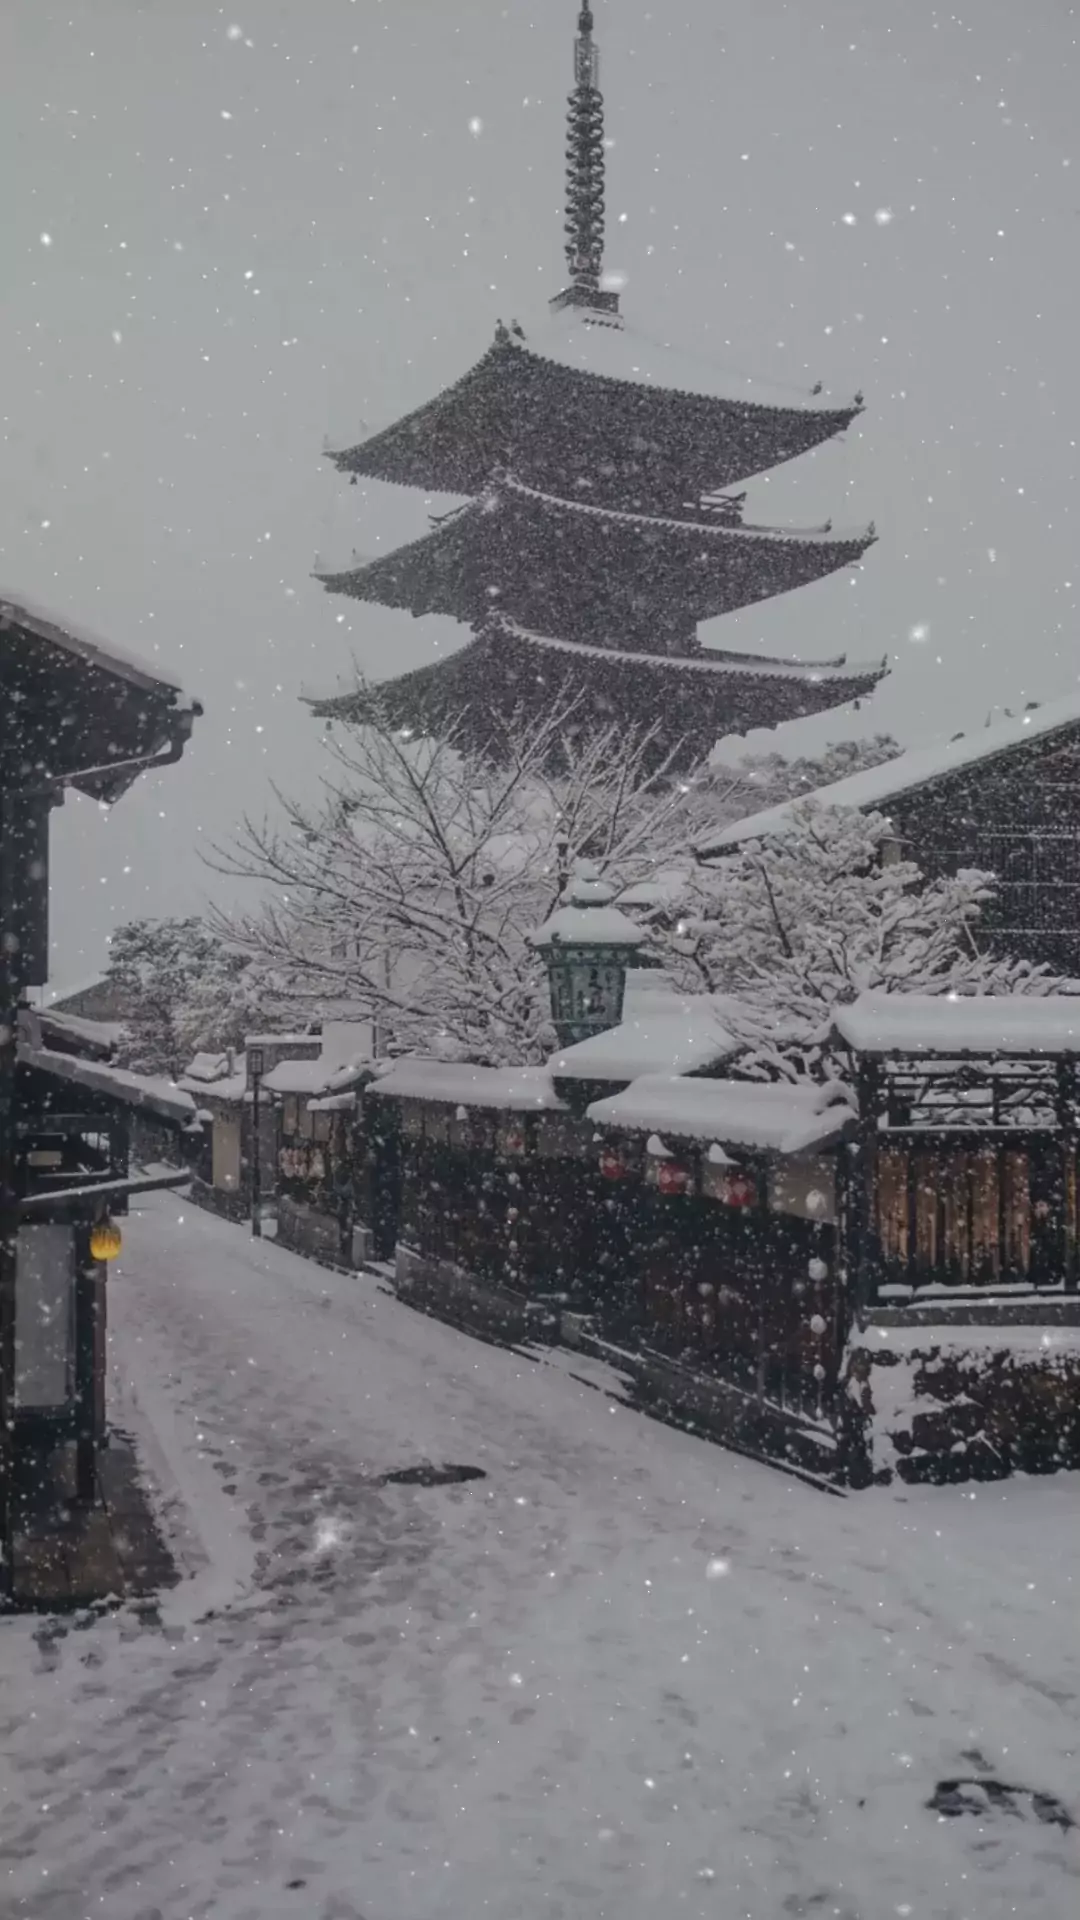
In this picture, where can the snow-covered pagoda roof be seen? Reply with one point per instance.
(769, 1118)
(578, 396)
(918, 767)
(84, 709)
(635, 575)
(985, 1024)
(696, 699)
(616, 526)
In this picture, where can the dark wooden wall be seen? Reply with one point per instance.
(1019, 816)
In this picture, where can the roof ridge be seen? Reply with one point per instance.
(837, 536)
(709, 660)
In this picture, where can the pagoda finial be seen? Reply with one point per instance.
(585, 177)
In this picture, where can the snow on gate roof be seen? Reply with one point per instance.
(769, 1117)
(978, 1023)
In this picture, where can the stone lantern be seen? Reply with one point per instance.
(587, 946)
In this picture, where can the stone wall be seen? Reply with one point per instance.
(953, 1402)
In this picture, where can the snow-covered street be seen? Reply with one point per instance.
(624, 1674)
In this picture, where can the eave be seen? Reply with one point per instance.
(642, 577)
(565, 426)
(78, 712)
(504, 673)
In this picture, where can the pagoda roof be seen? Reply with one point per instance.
(588, 398)
(580, 571)
(692, 702)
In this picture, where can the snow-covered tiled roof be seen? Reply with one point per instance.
(98, 1038)
(770, 1118)
(980, 1023)
(152, 1095)
(684, 1036)
(518, 1089)
(612, 350)
(61, 631)
(918, 767)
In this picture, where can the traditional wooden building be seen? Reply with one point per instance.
(961, 1235)
(325, 1206)
(861, 1283)
(1005, 798)
(599, 529)
(75, 713)
(499, 1208)
(235, 1173)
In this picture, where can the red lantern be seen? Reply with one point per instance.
(612, 1164)
(741, 1191)
(514, 1141)
(671, 1177)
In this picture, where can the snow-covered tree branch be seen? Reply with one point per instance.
(184, 990)
(735, 784)
(797, 922)
(409, 891)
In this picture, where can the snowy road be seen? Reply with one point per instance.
(626, 1674)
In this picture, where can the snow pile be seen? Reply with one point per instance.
(16, 610)
(221, 1075)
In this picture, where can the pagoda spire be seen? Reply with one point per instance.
(584, 224)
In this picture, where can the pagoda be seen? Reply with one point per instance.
(599, 525)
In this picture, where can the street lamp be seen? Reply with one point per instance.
(587, 946)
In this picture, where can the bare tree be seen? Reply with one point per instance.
(410, 890)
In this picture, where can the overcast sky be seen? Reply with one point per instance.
(228, 232)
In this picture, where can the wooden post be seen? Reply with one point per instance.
(86, 1437)
(1067, 1114)
(255, 1073)
(9, 1218)
(861, 1187)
